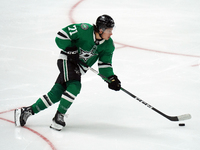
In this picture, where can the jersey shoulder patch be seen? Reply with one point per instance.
(84, 26)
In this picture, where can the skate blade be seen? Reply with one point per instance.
(56, 126)
(17, 114)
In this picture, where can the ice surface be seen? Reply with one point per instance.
(157, 58)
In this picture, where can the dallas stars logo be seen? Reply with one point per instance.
(85, 55)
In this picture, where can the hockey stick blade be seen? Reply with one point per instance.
(177, 118)
(184, 117)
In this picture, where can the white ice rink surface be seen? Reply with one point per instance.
(157, 58)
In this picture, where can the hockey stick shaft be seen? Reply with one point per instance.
(171, 118)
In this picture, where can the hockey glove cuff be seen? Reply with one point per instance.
(72, 54)
(114, 83)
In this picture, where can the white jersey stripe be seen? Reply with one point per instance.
(65, 37)
(67, 98)
(105, 66)
(44, 101)
(61, 37)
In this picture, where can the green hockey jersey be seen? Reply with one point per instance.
(90, 50)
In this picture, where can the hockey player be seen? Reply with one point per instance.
(78, 42)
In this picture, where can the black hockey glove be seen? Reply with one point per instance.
(114, 83)
(72, 54)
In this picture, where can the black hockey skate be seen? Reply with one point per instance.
(21, 115)
(58, 121)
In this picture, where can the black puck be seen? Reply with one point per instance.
(181, 124)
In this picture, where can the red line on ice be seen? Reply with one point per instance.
(33, 131)
(72, 9)
(196, 65)
(125, 45)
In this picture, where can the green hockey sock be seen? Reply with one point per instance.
(52, 97)
(73, 89)
(64, 105)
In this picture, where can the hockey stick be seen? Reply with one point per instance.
(171, 118)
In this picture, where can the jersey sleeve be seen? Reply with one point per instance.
(105, 61)
(67, 37)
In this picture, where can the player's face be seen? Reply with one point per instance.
(107, 33)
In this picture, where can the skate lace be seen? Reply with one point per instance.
(27, 113)
(60, 118)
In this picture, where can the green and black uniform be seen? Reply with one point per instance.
(68, 83)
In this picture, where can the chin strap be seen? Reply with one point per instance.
(101, 33)
(101, 36)
(98, 40)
